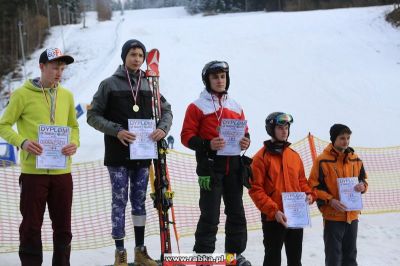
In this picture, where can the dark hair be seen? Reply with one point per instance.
(338, 129)
(345, 131)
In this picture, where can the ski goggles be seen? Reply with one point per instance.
(218, 65)
(283, 119)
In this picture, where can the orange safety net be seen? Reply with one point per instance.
(91, 212)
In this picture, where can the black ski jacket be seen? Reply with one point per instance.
(112, 107)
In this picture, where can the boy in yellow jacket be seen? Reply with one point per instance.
(43, 101)
(338, 160)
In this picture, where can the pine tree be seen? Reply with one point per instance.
(194, 7)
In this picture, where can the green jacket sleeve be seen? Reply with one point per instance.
(11, 114)
(73, 123)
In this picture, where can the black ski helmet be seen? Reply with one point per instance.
(215, 67)
(276, 118)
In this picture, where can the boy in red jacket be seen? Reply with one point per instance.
(218, 175)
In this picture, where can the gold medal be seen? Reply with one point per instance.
(135, 92)
(218, 128)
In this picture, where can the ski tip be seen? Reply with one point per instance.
(152, 60)
(153, 56)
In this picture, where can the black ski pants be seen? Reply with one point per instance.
(275, 235)
(230, 187)
(340, 243)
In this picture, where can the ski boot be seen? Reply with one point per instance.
(242, 261)
(121, 257)
(142, 258)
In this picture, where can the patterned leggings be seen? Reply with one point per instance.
(120, 177)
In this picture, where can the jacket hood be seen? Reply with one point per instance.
(33, 84)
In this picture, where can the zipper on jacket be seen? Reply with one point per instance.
(336, 171)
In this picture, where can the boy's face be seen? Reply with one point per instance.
(342, 142)
(281, 132)
(217, 81)
(134, 59)
(52, 72)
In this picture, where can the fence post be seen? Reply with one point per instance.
(311, 142)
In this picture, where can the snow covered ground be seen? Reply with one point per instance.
(378, 244)
(322, 67)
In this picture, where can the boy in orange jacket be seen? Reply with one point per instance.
(276, 169)
(338, 160)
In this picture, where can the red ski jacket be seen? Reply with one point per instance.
(202, 118)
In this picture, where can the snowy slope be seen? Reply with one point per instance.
(322, 66)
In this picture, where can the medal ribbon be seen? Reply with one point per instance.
(222, 108)
(53, 102)
(136, 91)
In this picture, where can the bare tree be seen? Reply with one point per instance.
(103, 10)
(36, 17)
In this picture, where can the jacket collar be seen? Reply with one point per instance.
(330, 149)
(209, 96)
(34, 85)
(121, 73)
(275, 148)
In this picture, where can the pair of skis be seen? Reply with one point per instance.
(161, 189)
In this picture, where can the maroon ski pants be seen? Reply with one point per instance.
(36, 191)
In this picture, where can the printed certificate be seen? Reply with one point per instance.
(296, 209)
(232, 131)
(143, 147)
(348, 196)
(52, 139)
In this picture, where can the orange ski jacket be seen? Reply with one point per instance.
(273, 173)
(329, 166)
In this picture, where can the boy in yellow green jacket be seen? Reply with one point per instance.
(43, 101)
